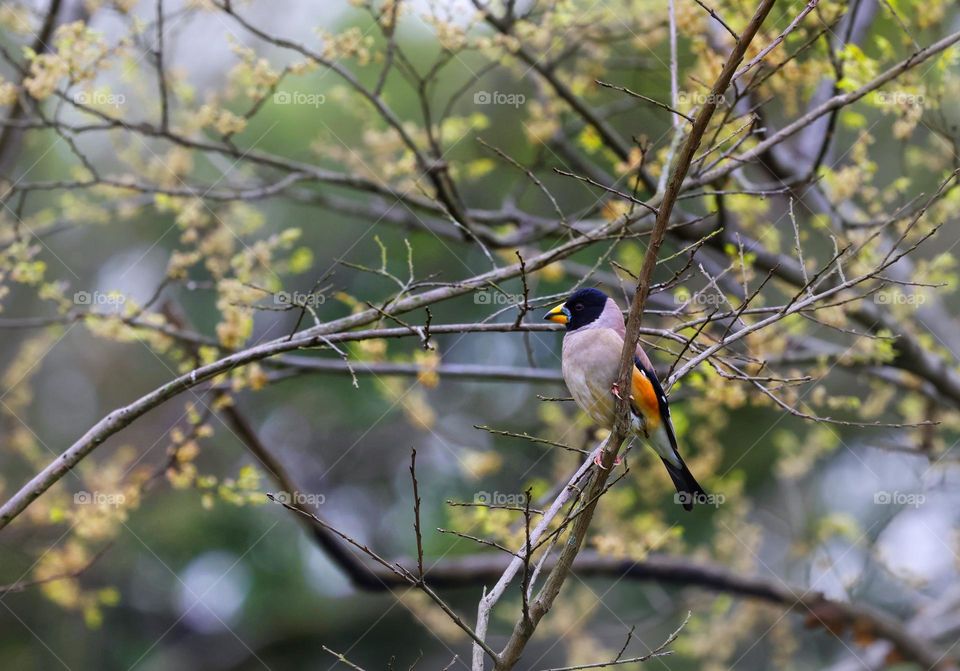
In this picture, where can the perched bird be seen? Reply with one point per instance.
(591, 360)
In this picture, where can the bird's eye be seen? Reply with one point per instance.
(578, 306)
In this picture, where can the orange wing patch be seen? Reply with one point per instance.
(645, 398)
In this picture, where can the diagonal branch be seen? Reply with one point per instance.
(525, 627)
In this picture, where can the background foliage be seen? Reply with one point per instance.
(185, 180)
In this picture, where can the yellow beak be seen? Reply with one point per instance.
(559, 315)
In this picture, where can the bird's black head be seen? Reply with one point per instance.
(582, 308)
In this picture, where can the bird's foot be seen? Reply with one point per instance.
(615, 390)
(598, 460)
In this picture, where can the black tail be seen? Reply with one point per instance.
(689, 490)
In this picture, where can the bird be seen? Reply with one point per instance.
(592, 347)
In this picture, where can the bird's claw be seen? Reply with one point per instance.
(598, 460)
(615, 389)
